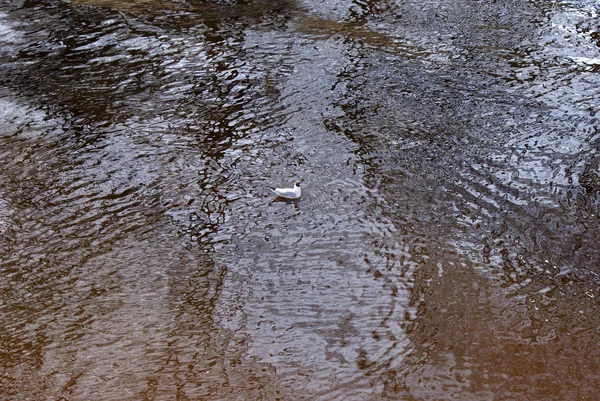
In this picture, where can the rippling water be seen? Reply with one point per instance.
(446, 245)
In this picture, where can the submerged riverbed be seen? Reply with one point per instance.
(446, 246)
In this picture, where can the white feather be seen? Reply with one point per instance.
(289, 193)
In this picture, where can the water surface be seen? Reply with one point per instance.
(446, 246)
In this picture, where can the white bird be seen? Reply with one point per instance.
(289, 193)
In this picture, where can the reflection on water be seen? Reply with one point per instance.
(445, 247)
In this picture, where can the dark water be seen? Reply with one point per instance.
(446, 247)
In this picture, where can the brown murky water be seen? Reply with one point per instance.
(446, 246)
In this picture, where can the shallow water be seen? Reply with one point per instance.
(446, 245)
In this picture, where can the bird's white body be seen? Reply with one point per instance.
(289, 193)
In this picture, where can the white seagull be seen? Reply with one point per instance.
(289, 193)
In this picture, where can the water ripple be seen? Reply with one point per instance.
(445, 243)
